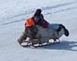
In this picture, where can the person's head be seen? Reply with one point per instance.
(38, 11)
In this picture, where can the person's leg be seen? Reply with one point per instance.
(22, 37)
(34, 31)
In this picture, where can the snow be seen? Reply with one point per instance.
(12, 16)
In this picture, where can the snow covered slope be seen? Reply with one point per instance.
(12, 15)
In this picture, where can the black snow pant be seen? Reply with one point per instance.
(30, 32)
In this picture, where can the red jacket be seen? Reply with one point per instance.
(29, 22)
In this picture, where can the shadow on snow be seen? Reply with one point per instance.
(64, 45)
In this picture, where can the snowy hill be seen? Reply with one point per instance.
(12, 15)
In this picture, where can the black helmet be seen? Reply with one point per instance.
(38, 11)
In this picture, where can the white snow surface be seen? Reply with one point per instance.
(12, 16)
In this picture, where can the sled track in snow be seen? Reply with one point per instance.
(59, 5)
(43, 8)
(62, 10)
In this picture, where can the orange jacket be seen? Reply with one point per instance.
(29, 22)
